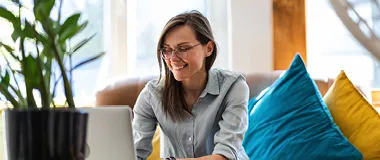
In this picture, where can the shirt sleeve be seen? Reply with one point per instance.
(144, 124)
(234, 123)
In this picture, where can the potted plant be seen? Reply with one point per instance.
(36, 128)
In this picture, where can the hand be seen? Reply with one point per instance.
(211, 157)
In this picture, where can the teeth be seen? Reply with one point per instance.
(179, 67)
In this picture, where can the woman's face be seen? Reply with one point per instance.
(182, 38)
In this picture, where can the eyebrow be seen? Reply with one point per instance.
(177, 44)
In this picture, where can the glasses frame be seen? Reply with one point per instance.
(176, 52)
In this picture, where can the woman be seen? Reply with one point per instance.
(202, 112)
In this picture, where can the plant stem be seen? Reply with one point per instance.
(54, 105)
(18, 92)
(66, 83)
(19, 95)
(29, 89)
(71, 65)
(55, 84)
(43, 90)
(9, 96)
(14, 56)
(59, 11)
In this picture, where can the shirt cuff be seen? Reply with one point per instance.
(225, 151)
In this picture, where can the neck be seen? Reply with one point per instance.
(195, 84)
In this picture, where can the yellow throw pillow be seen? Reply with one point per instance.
(355, 116)
(156, 145)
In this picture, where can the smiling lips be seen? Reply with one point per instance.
(179, 67)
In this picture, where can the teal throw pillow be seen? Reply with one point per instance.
(289, 120)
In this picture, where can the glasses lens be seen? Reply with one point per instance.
(165, 54)
(182, 53)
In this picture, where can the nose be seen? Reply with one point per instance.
(174, 57)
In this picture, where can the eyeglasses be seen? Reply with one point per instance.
(180, 52)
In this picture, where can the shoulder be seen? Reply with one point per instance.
(150, 94)
(153, 87)
(226, 76)
(232, 84)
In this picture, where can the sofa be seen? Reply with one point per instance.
(125, 92)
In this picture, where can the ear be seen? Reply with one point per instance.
(209, 48)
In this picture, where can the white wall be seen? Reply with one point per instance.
(218, 17)
(251, 35)
(249, 46)
(115, 30)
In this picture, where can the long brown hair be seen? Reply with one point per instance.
(173, 99)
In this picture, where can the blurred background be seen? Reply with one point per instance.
(252, 36)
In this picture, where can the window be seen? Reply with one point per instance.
(128, 32)
(85, 78)
(146, 19)
(332, 48)
(83, 83)
(147, 29)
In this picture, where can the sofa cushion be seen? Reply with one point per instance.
(290, 121)
(355, 116)
(155, 155)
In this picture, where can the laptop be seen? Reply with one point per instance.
(109, 133)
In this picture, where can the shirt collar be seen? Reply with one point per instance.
(212, 86)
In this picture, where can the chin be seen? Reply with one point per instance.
(181, 75)
(179, 78)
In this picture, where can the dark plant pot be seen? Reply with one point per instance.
(45, 134)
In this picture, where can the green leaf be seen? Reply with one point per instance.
(31, 73)
(29, 30)
(47, 52)
(17, 71)
(70, 23)
(6, 80)
(4, 84)
(62, 47)
(7, 47)
(72, 31)
(17, 32)
(15, 35)
(42, 9)
(82, 43)
(8, 15)
(16, 1)
(88, 60)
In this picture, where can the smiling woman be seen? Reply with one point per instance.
(202, 112)
(186, 32)
(181, 63)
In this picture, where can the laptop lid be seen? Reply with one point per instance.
(109, 133)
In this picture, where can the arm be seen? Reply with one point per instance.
(211, 157)
(144, 124)
(234, 123)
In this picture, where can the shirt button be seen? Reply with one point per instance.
(190, 138)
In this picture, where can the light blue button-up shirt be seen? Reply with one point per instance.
(216, 125)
